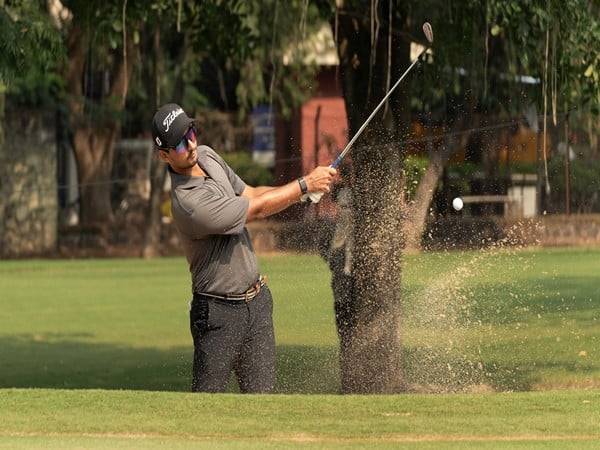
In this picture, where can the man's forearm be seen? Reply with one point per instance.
(260, 190)
(253, 192)
(273, 200)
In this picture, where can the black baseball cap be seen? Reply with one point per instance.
(169, 125)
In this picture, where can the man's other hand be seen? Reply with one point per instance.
(320, 179)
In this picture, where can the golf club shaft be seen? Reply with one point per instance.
(341, 156)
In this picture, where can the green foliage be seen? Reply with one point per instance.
(263, 75)
(29, 45)
(517, 167)
(481, 47)
(252, 90)
(241, 40)
(523, 167)
(252, 173)
(28, 39)
(223, 55)
(36, 88)
(102, 23)
(463, 169)
(573, 28)
(459, 176)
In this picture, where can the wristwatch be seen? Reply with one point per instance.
(303, 186)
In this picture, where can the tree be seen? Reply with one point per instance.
(555, 41)
(198, 32)
(28, 42)
(371, 360)
(492, 45)
(458, 28)
(100, 39)
(163, 20)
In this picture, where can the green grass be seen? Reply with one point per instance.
(531, 319)
(473, 321)
(548, 420)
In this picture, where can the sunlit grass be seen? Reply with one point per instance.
(510, 320)
(475, 322)
(118, 419)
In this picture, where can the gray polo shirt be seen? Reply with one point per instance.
(210, 214)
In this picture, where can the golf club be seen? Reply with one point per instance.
(315, 197)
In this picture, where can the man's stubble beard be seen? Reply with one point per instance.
(193, 162)
(184, 167)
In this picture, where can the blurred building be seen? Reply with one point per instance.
(319, 127)
(318, 130)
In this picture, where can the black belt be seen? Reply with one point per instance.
(245, 297)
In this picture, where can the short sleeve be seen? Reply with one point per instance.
(202, 213)
(236, 182)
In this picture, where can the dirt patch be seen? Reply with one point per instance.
(315, 438)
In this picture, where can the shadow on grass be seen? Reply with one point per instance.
(70, 361)
(67, 361)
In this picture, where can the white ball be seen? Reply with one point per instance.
(457, 203)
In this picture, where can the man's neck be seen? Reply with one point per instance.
(194, 171)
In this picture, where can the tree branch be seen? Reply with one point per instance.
(76, 44)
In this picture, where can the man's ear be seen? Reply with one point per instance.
(163, 156)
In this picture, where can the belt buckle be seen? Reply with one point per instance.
(252, 292)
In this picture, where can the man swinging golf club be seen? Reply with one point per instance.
(231, 310)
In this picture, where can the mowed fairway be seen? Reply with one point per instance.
(97, 336)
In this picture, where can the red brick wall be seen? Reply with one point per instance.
(324, 130)
(306, 140)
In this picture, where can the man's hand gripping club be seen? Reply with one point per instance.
(319, 180)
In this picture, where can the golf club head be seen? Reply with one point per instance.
(428, 31)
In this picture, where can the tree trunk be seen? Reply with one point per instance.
(567, 168)
(2, 150)
(371, 355)
(2, 108)
(150, 247)
(158, 169)
(158, 174)
(94, 153)
(94, 138)
(439, 154)
(416, 218)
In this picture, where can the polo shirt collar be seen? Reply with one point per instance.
(185, 181)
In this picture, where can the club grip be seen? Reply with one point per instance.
(337, 161)
(315, 197)
(312, 197)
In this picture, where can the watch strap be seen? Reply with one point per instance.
(303, 186)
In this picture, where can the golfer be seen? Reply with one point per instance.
(231, 310)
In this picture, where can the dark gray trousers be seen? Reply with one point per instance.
(234, 336)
